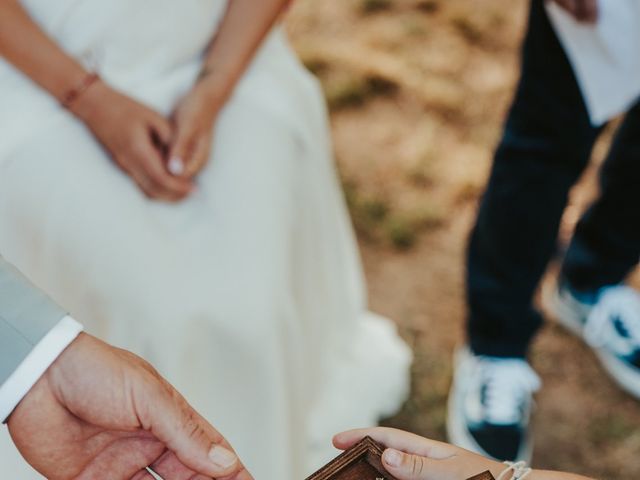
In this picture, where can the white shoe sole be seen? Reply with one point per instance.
(626, 377)
(459, 435)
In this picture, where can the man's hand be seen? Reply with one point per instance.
(104, 413)
(582, 10)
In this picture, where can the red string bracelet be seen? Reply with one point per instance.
(73, 94)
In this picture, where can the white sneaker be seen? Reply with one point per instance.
(490, 406)
(609, 322)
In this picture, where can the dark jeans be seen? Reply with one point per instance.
(546, 145)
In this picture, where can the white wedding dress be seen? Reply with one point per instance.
(248, 296)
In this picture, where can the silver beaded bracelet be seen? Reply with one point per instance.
(519, 471)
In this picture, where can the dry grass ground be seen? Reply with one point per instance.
(418, 90)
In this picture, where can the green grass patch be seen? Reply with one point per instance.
(375, 220)
(428, 6)
(351, 90)
(401, 232)
(374, 6)
(346, 93)
(468, 28)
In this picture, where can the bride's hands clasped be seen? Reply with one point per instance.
(135, 136)
(162, 156)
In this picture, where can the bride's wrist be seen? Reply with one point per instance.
(214, 86)
(496, 468)
(90, 101)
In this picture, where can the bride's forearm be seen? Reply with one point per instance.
(547, 475)
(243, 28)
(29, 49)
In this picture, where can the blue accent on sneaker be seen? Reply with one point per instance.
(618, 324)
(587, 298)
(609, 322)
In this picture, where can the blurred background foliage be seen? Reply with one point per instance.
(417, 91)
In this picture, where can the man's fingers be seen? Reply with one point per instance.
(124, 458)
(143, 475)
(194, 442)
(169, 466)
(241, 473)
(405, 466)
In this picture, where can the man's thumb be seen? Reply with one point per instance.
(190, 437)
(405, 466)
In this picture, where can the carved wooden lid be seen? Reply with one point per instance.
(363, 461)
(483, 476)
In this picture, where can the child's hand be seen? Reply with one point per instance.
(582, 10)
(410, 457)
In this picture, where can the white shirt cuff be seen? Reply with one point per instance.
(13, 390)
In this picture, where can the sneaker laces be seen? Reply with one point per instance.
(614, 322)
(508, 385)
